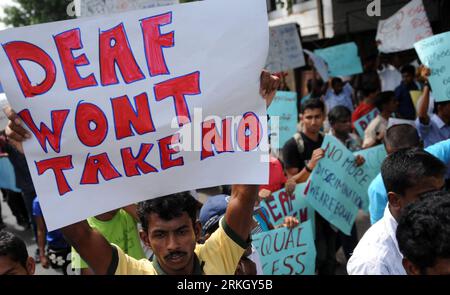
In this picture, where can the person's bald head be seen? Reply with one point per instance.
(402, 136)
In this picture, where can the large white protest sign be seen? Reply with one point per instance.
(407, 26)
(137, 105)
(285, 50)
(104, 7)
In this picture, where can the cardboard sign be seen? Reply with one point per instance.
(283, 118)
(336, 186)
(362, 123)
(374, 157)
(285, 50)
(434, 52)
(138, 105)
(372, 166)
(407, 26)
(415, 96)
(286, 251)
(280, 204)
(342, 60)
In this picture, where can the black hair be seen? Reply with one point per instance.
(335, 81)
(368, 90)
(383, 98)
(313, 103)
(402, 169)
(13, 247)
(408, 69)
(310, 84)
(168, 208)
(423, 231)
(402, 136)
(339, 113)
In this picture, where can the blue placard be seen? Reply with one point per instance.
(283, 118)
(374, 157)
(342, 60)
(336, 185)
(434, 52)
(279, 205)
(286, 251)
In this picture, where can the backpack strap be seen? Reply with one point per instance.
(300, 143)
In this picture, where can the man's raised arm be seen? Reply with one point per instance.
(91, 245)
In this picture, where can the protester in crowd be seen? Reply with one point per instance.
(300, 155)
(434, 128)
(210, 215)
(400, 137)
(56, 254)
(387, 104)
(407, 174)
(12, 198)
(24, 183)
(17, 207)
(118, 227)
(302, 152)
(341, 127)
(339, 94)
(369, 76)
(406, 109)
(315, 90)
(277, 177)
(14, 259)
(423, 235)
(367, 104)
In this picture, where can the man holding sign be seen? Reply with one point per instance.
(172, 216)
(98, 105)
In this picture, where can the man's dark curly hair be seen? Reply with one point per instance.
(423, 231)
(168, 208)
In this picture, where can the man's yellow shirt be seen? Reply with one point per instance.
(219, 255)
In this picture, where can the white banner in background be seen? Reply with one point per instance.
(407, 26)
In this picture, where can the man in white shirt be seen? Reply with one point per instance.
(406, 174)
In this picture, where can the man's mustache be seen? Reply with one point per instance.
(175, 253)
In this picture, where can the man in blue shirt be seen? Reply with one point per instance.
(434, 128)
(406, 108)
(400, 137)
(339, 94)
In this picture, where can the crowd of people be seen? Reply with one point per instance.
(409, 206)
